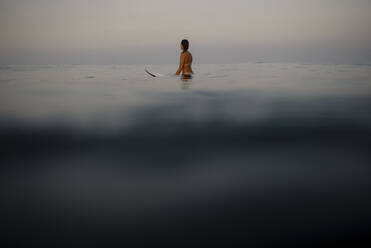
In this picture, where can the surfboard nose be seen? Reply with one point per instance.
(153, 75)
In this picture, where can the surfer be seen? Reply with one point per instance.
(185, 64)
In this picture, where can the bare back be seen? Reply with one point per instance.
(185, 64)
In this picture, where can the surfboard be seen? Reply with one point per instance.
(153, 74)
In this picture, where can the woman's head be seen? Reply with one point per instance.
(185, 45)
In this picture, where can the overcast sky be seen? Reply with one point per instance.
(149, 31)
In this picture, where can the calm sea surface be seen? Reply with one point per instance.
(264, 154)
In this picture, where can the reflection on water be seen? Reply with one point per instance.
(258, 154)
(186, 83)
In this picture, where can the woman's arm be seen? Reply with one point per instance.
(181, 64)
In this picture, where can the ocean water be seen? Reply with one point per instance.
(256, 154)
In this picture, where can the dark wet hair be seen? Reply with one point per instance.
(185, 44)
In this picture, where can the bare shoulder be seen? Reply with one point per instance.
(187, 54)
(190, 56)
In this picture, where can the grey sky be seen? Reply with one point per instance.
(104, 31)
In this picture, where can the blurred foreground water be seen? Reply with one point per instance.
(255, 154)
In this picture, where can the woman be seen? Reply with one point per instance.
(185, 64)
